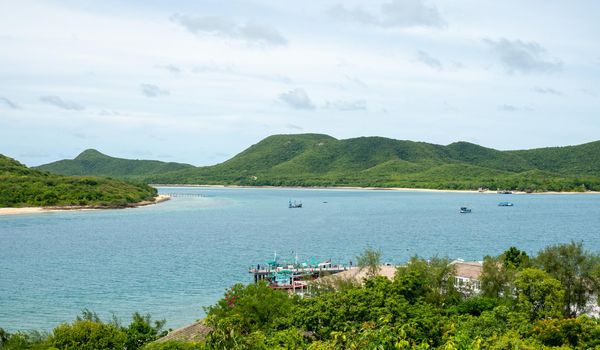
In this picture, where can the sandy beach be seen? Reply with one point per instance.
(406, 189)
(40, 210)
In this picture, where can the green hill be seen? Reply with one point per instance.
(321, 160)
(92, 162)
(21, 186)
(582, 159)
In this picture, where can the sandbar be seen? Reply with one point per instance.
(38, 210)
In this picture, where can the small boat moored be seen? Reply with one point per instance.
(505, 204)
(295, 204)
(465, 210)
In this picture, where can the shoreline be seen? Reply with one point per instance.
(39, 210)
(402, 189)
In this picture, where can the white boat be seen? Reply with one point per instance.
(295, 204)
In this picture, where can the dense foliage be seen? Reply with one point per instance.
(422, 309)
(92, 162)
(320, 160)
(21, 186)
(522, 306)
(88, 332)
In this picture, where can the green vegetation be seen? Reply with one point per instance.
(369, 260)
(21, 187)
(321, 160)
(92, 162)
(420, 309)
(88, 332)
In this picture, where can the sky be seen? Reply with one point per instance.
(199, 81)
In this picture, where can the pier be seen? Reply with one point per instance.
(187, 195)
(297, 272)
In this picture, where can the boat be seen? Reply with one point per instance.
(465, 210)
(295, 204)
(504, 192)
(505, 204)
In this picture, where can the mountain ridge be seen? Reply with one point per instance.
(374, 161)
(94, 162)
(22, 186)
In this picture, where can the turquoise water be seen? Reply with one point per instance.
(173, 258)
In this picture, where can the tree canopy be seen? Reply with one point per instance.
(419, 309)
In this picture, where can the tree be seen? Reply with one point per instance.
(370, 259)
(496, 280)
(576, 269)
(249, 308)
(431, 279)
(141, 331)
(538, 294)
(31, 340)
(514, 258)
(4, 335)
(88, 335)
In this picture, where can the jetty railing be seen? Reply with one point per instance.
(188, 195)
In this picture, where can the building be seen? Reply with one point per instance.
(468, 275)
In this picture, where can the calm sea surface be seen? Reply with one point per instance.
(173, 258)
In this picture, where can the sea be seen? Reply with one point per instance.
(175, 258)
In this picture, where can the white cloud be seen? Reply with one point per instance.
(546, 91)
(10, 104)
(171, 68)
(511, 108)
(395, 13)
(92, 57)
(523, 57)
(428, 60)
(297, 99)
(251, 32)
(347, 105)
(151, 90)
(60, 103)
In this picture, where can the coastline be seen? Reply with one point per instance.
(403, 189)
(39, 210)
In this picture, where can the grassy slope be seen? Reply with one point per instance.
(321, 160)
(92, 162)
(582, 159)
(21, 186)
(312, 159)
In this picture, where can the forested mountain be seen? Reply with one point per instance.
(321, 160)
(21, 186)
(92, 162)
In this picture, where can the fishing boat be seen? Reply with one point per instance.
(505, 204)
(295, 204)
(465, 210)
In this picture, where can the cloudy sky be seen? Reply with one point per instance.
(199, 81)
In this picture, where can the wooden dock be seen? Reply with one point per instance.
(188, 195)
(298, 272)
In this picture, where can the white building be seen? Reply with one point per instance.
(467, 276)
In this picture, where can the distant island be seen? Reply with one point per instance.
(321, 160)
(21, 187)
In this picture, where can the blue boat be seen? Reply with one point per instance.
(505, 204)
